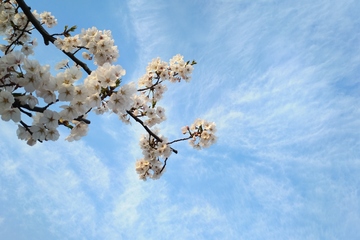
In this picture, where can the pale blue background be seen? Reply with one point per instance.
(281, 79)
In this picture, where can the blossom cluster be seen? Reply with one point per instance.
(39, 101)
(16, 28)
(48, 19)
(99, 45)
(156, 151)
(202, 133)
(152, 87)
(9, 17)
(153, 150)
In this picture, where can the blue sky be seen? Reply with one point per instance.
(280, 78)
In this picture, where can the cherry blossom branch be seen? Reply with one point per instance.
(100, 90)
(49, 38)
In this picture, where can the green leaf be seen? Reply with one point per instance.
(117, 82)
(73, 28)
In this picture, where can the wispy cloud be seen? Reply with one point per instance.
(61, 183)
(287, 90)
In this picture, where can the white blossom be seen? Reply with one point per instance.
(68, 113)
(50, 119)
(23, 133)
(38, 132)
(6, 100)
(47, 95)
(78, 131)
(52, 134)
(48, 19)
(61, 64)
(12, 113)
(66, 93)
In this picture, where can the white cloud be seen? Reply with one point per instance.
(54, 181)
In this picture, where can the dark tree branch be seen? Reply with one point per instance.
(18, 104)
(8, 85)
(148, 129)
(81, 119)
(47, 37)
(26, 127)
(25, 112)
(144, 126)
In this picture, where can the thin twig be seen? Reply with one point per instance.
(17, 39)
(151, 87)
(25, 112)
(81, 119)
(164, 165)
(178, 140)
